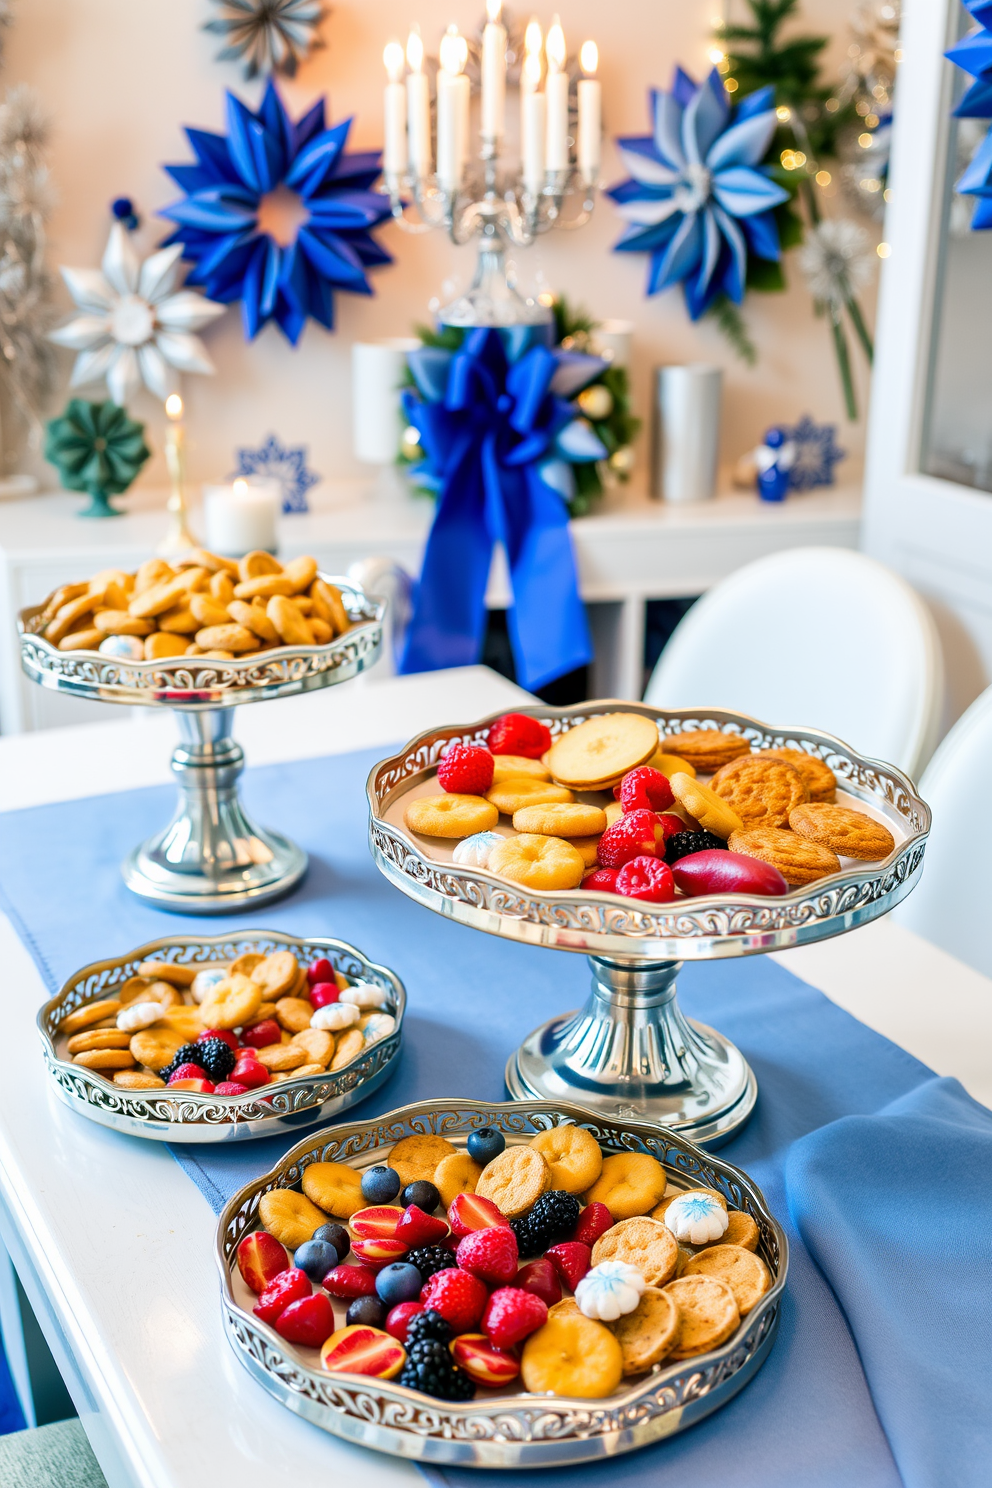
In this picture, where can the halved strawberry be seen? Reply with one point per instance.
(359, 1349)
(540, 1279)
(261, 1259)
(482, 1360)
(414, 1227)
(571, 1259)
(377, 1223)
(308, 1321)
(288, 1286)
(350, 1281)
(469, 1212)
(378, 1253)
(594, 1221)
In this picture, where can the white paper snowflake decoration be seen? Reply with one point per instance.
(134, 322)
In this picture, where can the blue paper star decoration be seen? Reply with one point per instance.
(266, 166)
(973, 55)
(817, 452)
(276, 462)
(697, 200)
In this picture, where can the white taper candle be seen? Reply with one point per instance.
(418, 97)
(493, 73)
(557, 104)
(590, 97)
(394, 154)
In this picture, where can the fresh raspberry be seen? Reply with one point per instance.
(230, 1087)
(594, 1221)
(323, 993)
(289, 1286)
(490, 1254)
(515, 733)
(457, 1296)
(320, 971)
(511, 1314)
(260, 1035)
(671, 824)
(646, 878)
(645, 790)
(224, 1034)
(601, 880)
(468, 770)
(571, 1259)
(187, 1072)
(636, 834)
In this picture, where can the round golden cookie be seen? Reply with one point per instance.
(316, 1043)
(294, 1013)
(417, 1157)
(156, 1047)
(137, 1080)
(821, 782)
(135, 989)
(761, 791)
(587, 848)
(98, 1038)
(649, 1333)
(290, 1216)
(169, 971)
(164, 993)
(183, 1020)
(567, 1307)
(245, 965)
(849, 833)
(457, 1173)
(515, 765)
(539, 863)
(450, 815)
(333, 1187)
(613, 811)
(741, 1230)
(276, 974)
(573, 1156)
(709, 809)
(572, 1355)
(661, 1209)
(104, 1059)
(709, 1313)
(518, 791)
(514, 1181)
(685, 1256)
(602, 748)
(643, 1243)
(561, 819)
(671, 764)
(233, 1003)
(745, 1273)
(798, 860)
(93, 1012)
(708, 749)
(630, 1184)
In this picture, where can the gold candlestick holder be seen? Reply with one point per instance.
(178, 539)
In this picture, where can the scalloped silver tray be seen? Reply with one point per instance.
(500, 1430)
(278, 1109)
(602, 924)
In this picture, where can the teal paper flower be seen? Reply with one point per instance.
(96, 447)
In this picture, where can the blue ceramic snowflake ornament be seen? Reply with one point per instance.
(973, 54)
(287, 466)
(697, 200)
(267, 168)
(817, 452)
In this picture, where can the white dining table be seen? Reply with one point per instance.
(114, 1244)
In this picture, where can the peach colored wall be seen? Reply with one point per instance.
(119, 78)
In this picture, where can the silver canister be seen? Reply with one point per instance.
(686, 432)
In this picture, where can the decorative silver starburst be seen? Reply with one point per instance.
(267, 36)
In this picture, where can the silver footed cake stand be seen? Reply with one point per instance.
(212, 858)
(631, 1051)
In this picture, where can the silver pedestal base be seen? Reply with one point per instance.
(211, 858)
(631, 1052)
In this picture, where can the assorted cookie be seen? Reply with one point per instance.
(226, 1029)
(615, 807)
(544, 1265)
(197, 605)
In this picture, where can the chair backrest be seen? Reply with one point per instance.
(818, 636)
(951, 901)
(389, 580)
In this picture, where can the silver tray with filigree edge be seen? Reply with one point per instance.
(500, 1429)
(178, 682)
(272, 1110)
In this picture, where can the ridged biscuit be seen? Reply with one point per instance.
(798, 860)
(709, 1313)
(745, 1273)
(707, 749)
(643, 1243)
(650, 1332)
(852, 834)
(514, 1181)
(417, 1157)
(761, 791)
(821, 782)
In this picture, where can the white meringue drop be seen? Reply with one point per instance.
(335, 1016)
(379, 1026)
(473, 852)
(364, 995)
(139, 1015)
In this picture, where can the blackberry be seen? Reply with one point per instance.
(429, 1324)
(552, 1218)
(682, 844)
(188, 1054)
(429, 1367)
(430, 1259)
(216, 1057)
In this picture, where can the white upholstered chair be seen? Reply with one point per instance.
(818, 636)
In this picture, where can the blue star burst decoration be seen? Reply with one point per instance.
(697, 200)
(973, 55)
(817, 452)
(287, 466)
(234, 258)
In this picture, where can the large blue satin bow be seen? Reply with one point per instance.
(500, 435)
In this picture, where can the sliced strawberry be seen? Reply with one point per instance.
(414, 1227)
(308, 1321)
(288, 1286)
(376, 1223)
(261, 1259)
(594, 1221)
(350, 1281)
(378, 1252)
(482, 1360)
(471, 1212)
(359, 1349)
(540, 1279)
(571, 1259)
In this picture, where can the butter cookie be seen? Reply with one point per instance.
(417, 1157)
(707, 749)
(710, 810)
(514, 1181)
(601, 749)
(709, 1313)
(451, 815)
(572, 1355)
(543, 864)
(334, 1187)
(457, 1173)
(643, 1243)
(821, 782)
(649, 1333)
(851, 834)
(798, 860)
(290, 1216)
(629, 1184)
(573, 1156)
(745, 1274)
(761, 791)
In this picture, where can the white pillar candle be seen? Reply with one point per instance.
(418, 97)
(394, 155)
(241, 517)
(377, 372)
(612, 339)
(535, 122)
(493, 73)
(556, 158)
(590, 115)
(452, 111)
(687, 434)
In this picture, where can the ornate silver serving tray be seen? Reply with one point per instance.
(630, 1051)
(502, 1429)
(278, 1108)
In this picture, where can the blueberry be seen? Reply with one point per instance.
(423, 1194)
(367, 1310)
(399, 1282)
(380, 1185)
(485, 1144)
(316, 1258)
(335, 1235)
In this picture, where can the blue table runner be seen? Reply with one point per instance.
(808, 1419)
